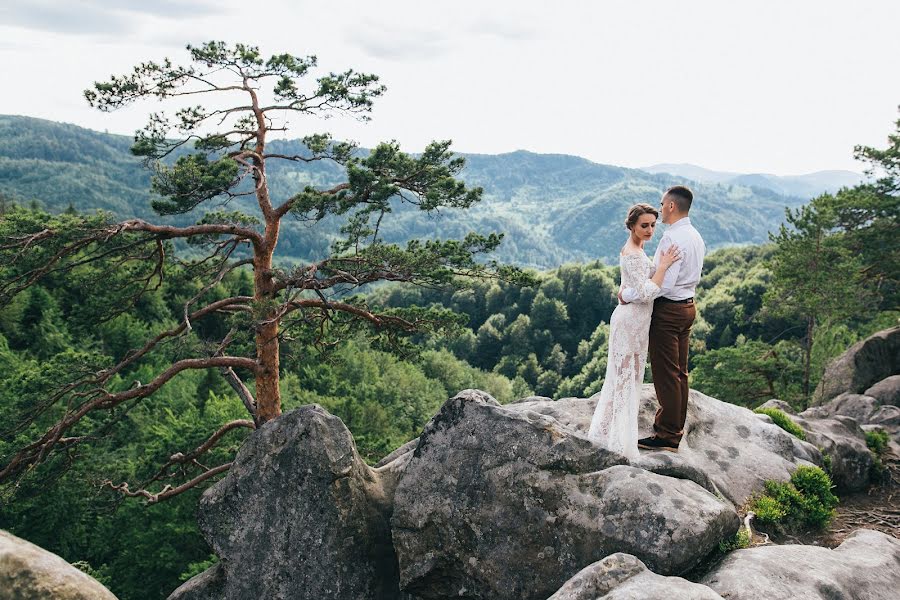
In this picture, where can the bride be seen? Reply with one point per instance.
(614, 425)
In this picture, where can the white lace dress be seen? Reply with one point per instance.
(615, 422)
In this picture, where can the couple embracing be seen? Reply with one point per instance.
(655, 311)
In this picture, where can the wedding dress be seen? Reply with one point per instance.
(614, 424)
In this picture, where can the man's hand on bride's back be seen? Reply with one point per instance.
(671, 255)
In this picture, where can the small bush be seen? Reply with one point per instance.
(805, 501)
(783, 421)
(739, 540)
(826, 462)
(768, 510)
(877, 440)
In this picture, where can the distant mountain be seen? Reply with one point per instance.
(553, 208)
(805, 186)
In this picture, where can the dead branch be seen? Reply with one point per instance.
(168, 491)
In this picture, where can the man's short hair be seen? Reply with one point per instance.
(682, 196)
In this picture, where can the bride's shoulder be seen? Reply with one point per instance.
(632, 255)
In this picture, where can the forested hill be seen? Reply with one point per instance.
(552, 208)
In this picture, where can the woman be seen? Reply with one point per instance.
(614, 425)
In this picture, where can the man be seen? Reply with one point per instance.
(673, 316)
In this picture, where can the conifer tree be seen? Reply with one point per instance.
(210, 162)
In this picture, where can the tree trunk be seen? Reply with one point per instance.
(268, 394)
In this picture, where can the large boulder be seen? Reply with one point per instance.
(623, 577)
(886, 391)
(726, 448)
(504, 502)
(865, 566)
(299, 515)
(28, 572)
(861, 366)
(843, 440)
(858, 406)
(869, 409)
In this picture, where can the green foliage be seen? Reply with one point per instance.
(768, 509)
(195, 568)
(749, 372)
(783, 421)
(553, 209)
(101, 575)
(877, 440)
(805, 501)
(738, 541)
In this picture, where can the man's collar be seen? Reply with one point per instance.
(680, 222)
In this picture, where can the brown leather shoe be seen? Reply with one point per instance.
(657, 443)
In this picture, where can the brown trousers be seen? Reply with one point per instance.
(670, 332)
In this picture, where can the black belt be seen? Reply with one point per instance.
(670, 301)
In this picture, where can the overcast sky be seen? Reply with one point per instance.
(776, 86)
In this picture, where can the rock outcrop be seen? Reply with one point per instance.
(726, 448)
(861, 366)
(866, 565)
(623, 577)
(887, 391)
(28, 572)
(504, 502)
(299, 515)
(838, 436)
(499, 502)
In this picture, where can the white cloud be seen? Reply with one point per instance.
(764, 86)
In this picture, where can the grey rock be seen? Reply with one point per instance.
(865, 567)
(842, 439)
(407, 447)
(726, 448)
(779, 405)
(624, 577)
(532, 399)
(857, 406)
(887, 417)
(300, 515)
(28, 572)
(504, 502)
(861, 366)
(886, 391)
(208, 585)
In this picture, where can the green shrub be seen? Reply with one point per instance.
(739, 540)
(826, 462)
(877, 440)
(805, 501)
(783, 421)
(768, 510)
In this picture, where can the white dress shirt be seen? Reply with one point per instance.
(683, 276)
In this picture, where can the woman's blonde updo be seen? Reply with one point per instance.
(635, 212)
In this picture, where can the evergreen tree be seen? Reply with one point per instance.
(202, 157)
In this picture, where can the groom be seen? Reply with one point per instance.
(673, 315)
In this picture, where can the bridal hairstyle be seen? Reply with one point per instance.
(635, 212)
(682, 197)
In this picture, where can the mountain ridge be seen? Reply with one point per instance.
(807, 185)
(553, 208)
